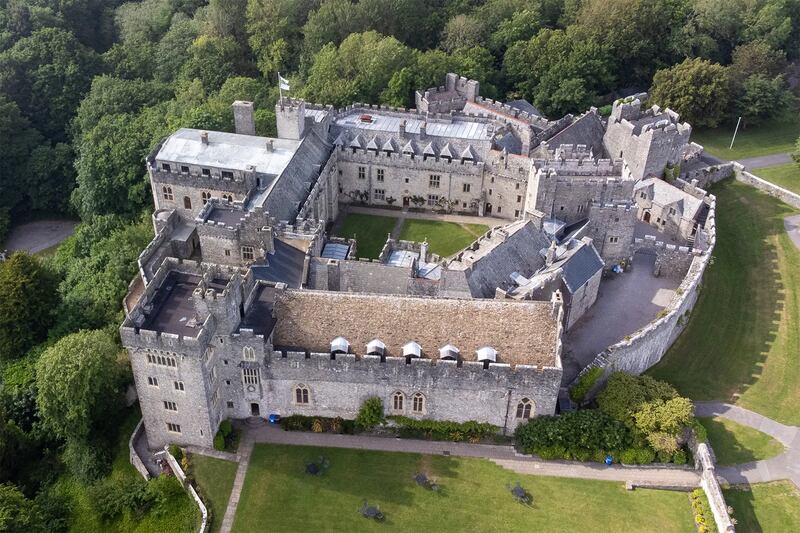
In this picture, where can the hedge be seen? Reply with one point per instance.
(579, 391)
(470, 431)
(318, 424)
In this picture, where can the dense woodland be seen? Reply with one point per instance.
(87, 87)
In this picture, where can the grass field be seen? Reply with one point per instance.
(279, 496)
(183, 515)
(772, 137)
(444, 238)
(743, 340)
(767, 507)
(786, 176)
(215, 479)
(734, 443)
(370, 231)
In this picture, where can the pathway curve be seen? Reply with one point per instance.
(245, 450)
(783, 466)
(792, 226)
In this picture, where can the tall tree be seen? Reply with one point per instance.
(696, 88)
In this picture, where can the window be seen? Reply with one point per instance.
(162, 360)
(227, 175)
(165, 167)
(490, 192)
(435, 181)
(152, 381)
(250, 376)
(491, 180)
(249, 353)
(184, 169)
(519, 199)
(562, 208)
(301, 394)
(580, 208)
(524, 409)
(671, 210)
(187, 202)
(499, 209)
(170, 406)
(178, 385)
(175, 428)
(227, 382)
(406, 180)
(418, 403)
(467, 187)
(248, 253)
(227, 253)
(228, 197)
(380, 194)
(642, 195)
(516, 213)
(379, 175)
(613, 239)
(397, 401)
(230, 405)
(167, 193)
(362, 173)
(516, 186)
(432, 199)
(206, 172)
(205, 196)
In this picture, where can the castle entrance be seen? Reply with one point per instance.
(488, 209)
(406, 201)
(255, 410)
(646, 216)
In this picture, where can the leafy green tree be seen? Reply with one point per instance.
(212, 60)
(275, 32)
(462, 31)
(662, 421)
(12, 449)
(522, 25)
(370, 414)
(762, 98)
(79, 384)
(18, 513)
(696, 88)
(332, 22)
(757, 57)
(18, 139)
(624, 394)
(27, 300)
(50, 178)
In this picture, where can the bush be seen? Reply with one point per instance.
(579, 391)
(584, 434)
(306, 423)
(86, 461)
(111, 497)
(225, 427)
(161, 492)
(227, 438)
(624, 394)
(470, 431)
(219, 442)
(637, 456)
(370, 414)
(176, 452)
(680, 457)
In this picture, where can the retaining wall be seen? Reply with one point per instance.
(785, 195)
(136, 461)
(179, 473)
(708, 481)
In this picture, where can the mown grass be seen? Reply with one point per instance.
(786, 176)
(734, 443)
(773, 137)
(278, 495)
(369, 230)
(214, 478)
(742, 342)
(765, 507)
(444, 238)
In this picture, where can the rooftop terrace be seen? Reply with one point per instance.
(172, 306)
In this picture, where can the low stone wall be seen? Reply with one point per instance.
(136, 461)
(181, 475)
(785, 195)
(709, 175)
(708, 481)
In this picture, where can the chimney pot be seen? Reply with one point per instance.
(204, 137)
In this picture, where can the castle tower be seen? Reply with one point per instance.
(291, 118)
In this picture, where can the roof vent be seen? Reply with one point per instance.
(339, 345)
(270, 145)
(448, 352)
(376, 347)
(204, 137)
(411, 349)
(487, 355)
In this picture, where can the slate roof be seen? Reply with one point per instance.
(526, 106)
(666, 194)
(458, 129)
(285, 265)
(580, 266)
(587, 129)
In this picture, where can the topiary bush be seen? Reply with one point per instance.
(219, 442)
(225, 427)
(370, 414)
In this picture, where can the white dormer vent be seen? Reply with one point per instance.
(339, 345)
(412, 349)
(449, 352)
(487, 355)
(376, 347)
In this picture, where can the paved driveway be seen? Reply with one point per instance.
(39, 235)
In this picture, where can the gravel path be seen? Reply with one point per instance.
(39, 235)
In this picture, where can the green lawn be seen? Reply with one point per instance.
(734, 443)
(280, 496)
(444, 238)
(183, 515)
(371, 232)
(743, 340)
(215, 478)
(786, 176)
(767, 507)
(772, 137)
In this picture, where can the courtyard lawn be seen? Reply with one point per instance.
(734, 443)
(279, 496)
(444, 238)
(765, 507)
(786, 176)
(215, 478)
(773, 137)
(742, 342)
(369, 230)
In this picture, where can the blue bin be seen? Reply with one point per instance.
(609, 460)
(274, 419)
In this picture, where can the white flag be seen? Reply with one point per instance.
(283, 82)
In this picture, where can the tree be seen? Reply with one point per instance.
(212, 60)
(757, 57)
(27, 301)
(625, 393)
(462, 31)
(18, 139)
(662, 421)
(762, 98)
(275, 32)
(18, 513)
(79, 384)
(696, 88)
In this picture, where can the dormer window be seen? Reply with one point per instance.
(340, 345)
(184, 169)
(206, 171)
(165, 167)
(227, 175)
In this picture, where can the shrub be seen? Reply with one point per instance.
(316, 426)
(680, 457)
(624, 394)
(583, 433)
(470, 431)
(585, 383)
(111, 497)
(699, 429)
(161, 492)
(370, 414)
(637, 456)
(176, 452)
(87, 462)
(306, 423)
(225, 427)
(219, 442)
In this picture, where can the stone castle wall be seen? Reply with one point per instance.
(787, 196)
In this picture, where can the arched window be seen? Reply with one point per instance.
(398, 400)
(187, 202)
(249, 353)
(167, 193)
(206, 196)
(524, 408)
(418, 403)
(301, 394)
(228, 197)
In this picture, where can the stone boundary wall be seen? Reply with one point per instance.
(709, 175)
(704, 461)
(135, 460)
(179, 473)
(785, 195)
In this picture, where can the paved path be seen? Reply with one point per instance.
(245, 450)
(38, 235)
(766, 160)
(792, 225)
(784, 466)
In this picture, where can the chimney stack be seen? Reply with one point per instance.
(204, 137)
(243, 118)
(270, 145)
(423, 130)
(402, 128)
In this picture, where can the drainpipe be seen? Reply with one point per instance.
(508, 408)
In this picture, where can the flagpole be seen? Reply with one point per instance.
(280, 89)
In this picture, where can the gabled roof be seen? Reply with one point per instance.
(341, 139)
(357, 142)
(665, 194)
(373, 144)
(389, 145)
(446, 152)
(581, 266)
(410, 147)
(468, 153)
(430, 149)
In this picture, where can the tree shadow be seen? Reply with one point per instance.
(741, 499)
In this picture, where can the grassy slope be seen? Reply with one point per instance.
(786, 176)
(444, 238)
(772, 137)
(743, 340)
(183, 516)
(215, 479)
(370, 231)
(474, 497)
(766, 507)
(734, 443)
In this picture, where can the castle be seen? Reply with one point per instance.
(244, 306)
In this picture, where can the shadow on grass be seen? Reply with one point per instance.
(742, 501)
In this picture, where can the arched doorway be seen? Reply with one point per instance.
(488, 209)
(646, 216)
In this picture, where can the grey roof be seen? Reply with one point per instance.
(581, 266)
(459, 129)
(285, 265)
(227, 151)
(258, 316)
(335, 250)
(173, 309)
(524, 105)
(587, 129)
(227, 214)
(666, 194)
